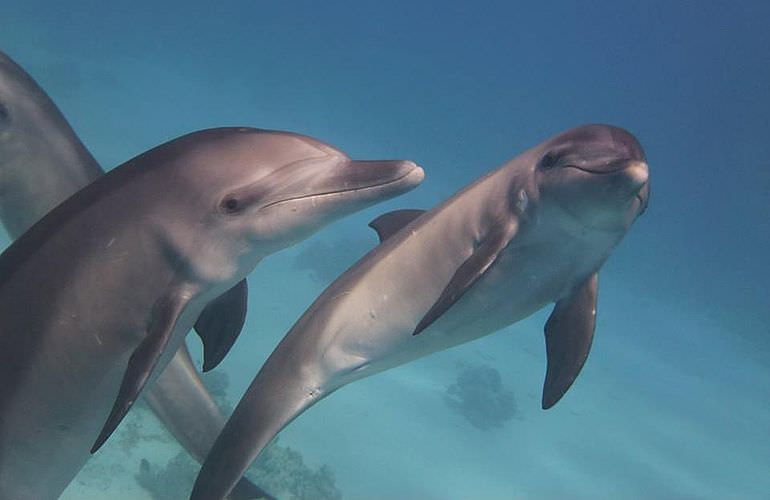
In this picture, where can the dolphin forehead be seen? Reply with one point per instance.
(237, 152)
(15, 83)
(609, 139)
(9, 71)
(283, 147)
(9, 76)
(223, 159)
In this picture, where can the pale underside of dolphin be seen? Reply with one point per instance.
(119, 272)
(534, 232)
(42, 163)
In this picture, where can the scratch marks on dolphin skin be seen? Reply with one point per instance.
(522, 201)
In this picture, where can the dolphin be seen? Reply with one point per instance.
(103, 289)
(42, 163)
(535, 231)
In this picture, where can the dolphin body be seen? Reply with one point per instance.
(42, 163)
(103, 289)
(533, 232)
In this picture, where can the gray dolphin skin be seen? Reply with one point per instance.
(534, 232)
(42, 163)
(102, 290)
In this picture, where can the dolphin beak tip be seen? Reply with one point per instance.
(411, 171)
(417, 174)
(638, 173)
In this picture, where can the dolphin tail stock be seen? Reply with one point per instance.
(275, 397)
(246, 490)
(187, 410)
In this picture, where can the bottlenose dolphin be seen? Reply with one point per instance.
(104, 288)
(42, 163)
(533, 232)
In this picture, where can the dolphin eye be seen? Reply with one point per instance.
(231, 205)
(549, 160)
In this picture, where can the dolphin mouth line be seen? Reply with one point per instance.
(642, 202)
(338, 191)
(603, 172)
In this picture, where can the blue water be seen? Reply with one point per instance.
(674, 401)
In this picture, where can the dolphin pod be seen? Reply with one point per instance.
(42, 163)
(533, 232)
(180, 227)
(97, 296)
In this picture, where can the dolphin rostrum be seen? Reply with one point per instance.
(42, 163)
(533, 232)
(104, 288)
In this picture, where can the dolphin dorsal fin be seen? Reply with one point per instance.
(390, 223)
(220, 323)
(569, 332)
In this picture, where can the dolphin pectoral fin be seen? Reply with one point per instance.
(469, 272)
(221, 322)
(390, 223)
(569, 332)
(143, 360)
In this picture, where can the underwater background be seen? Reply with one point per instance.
(674, 401)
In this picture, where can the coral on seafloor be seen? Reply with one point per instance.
(172, 482)
(280, 470)
(479, 396)
(133, 430)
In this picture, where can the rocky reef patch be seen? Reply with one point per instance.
(280, 470)
(479, 396)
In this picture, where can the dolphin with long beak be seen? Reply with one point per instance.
(103, 289)
(42, 163)
(533, 232)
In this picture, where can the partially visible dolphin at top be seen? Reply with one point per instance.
(533, 232)
(103, 289)
(42, 163)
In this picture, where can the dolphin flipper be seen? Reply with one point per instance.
(390, 223)
(221, 322)
(569, 332)
(143, 360)
(469, 272)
